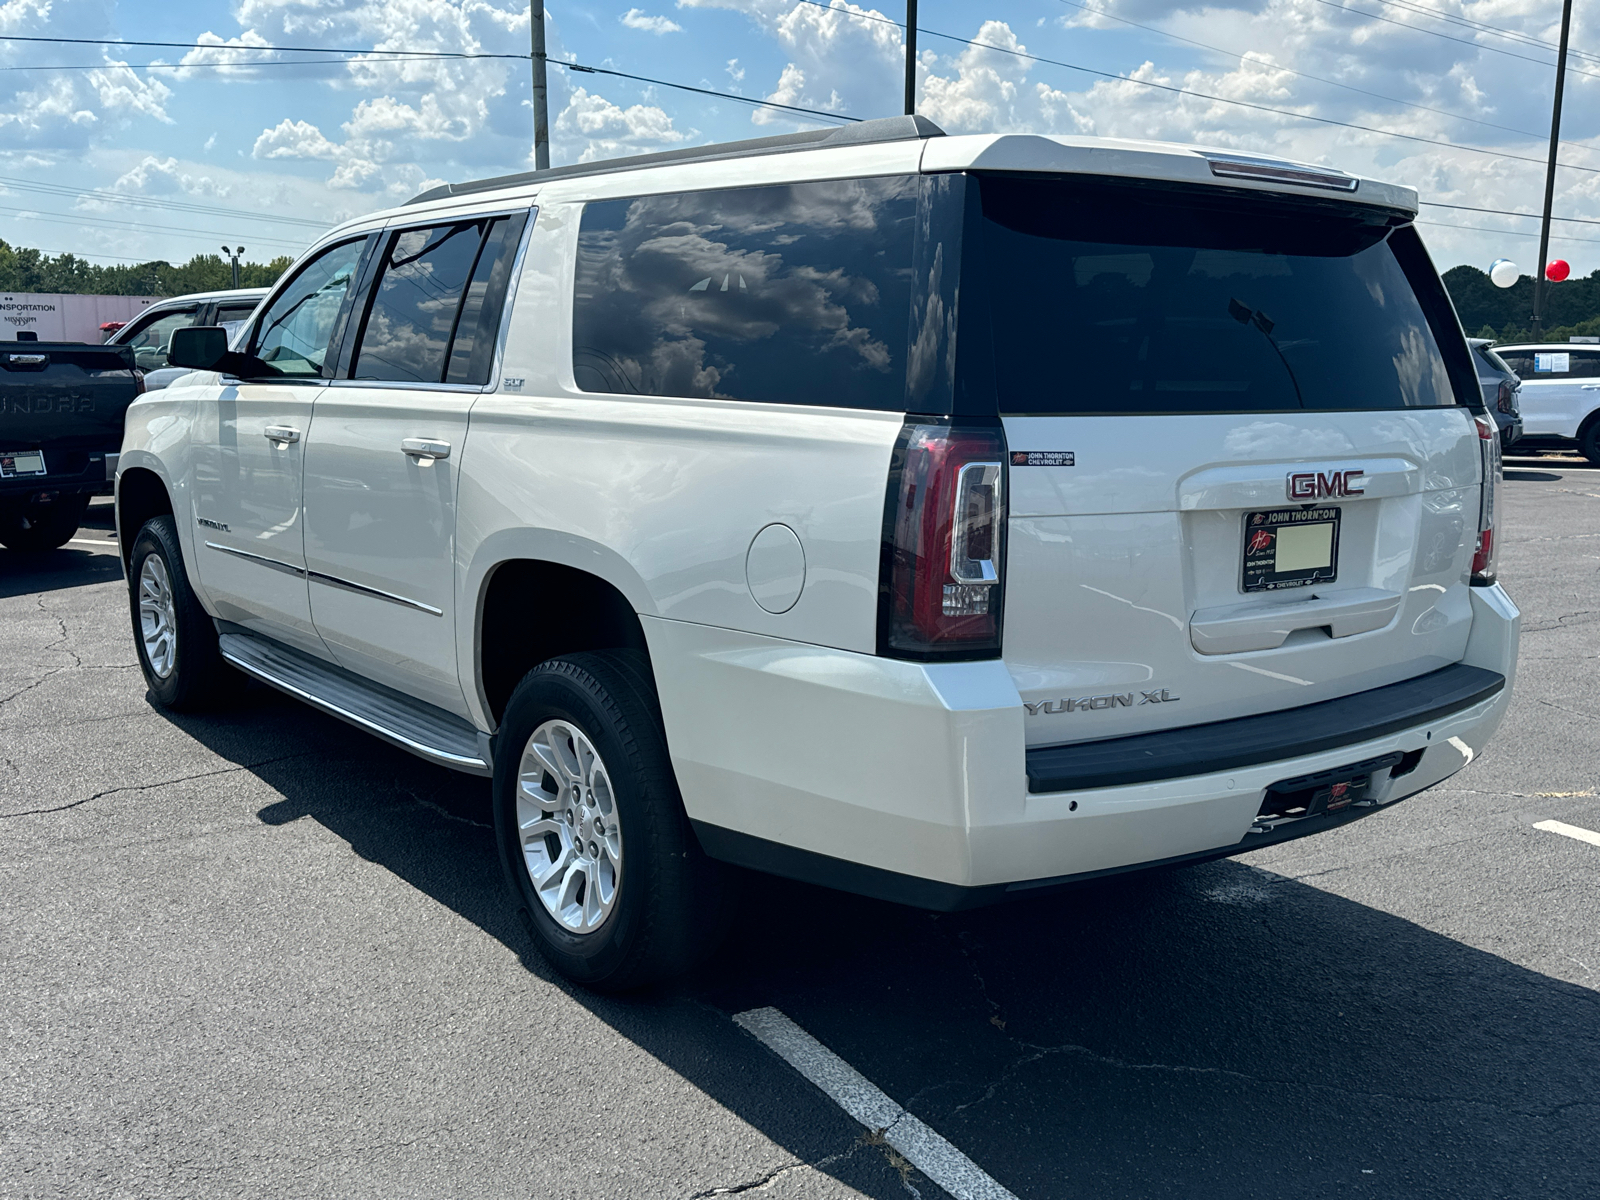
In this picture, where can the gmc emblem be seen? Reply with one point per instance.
(1314, 485)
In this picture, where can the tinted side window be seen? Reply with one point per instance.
(293, 335)
(1585, 364)
(406, 334)
(1520, 362)
(798, 293)
(472, 352)
(231, 313)
(150, 340)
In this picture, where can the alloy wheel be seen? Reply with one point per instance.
(158, 618)
(569, 826)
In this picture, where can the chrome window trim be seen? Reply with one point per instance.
(513, 286)
(404, 385)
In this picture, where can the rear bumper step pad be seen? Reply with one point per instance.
(1266, 737)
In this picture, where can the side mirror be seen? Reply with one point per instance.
(199, 347)
(205, 348)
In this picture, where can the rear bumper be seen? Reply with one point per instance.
(909, 781)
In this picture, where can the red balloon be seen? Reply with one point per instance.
(1558, 270)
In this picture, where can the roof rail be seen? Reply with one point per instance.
(883, 129)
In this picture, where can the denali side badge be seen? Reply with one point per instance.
(1092, 703)
(210, 524)
(1314, 485)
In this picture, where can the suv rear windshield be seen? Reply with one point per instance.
(1108, 298)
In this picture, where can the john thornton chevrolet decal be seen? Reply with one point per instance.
(1042, 458)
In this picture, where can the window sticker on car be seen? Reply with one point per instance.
(1042, 458)
(1554, 363)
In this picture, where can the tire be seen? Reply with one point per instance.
(668, 904)
(42, 527)
(175, 637)
(1589, 442)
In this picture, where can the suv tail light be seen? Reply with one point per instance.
(942, 581)
(1483, 557)
(1503, 397)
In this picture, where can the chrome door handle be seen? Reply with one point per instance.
(283, 434)
(425, 449)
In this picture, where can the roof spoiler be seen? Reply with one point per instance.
(858, 133)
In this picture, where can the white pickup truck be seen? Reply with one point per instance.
(939, 518)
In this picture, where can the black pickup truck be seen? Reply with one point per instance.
(61, 410)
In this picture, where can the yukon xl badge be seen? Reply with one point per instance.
(1087, 703)
(1314, 485)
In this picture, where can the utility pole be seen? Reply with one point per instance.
(1550, 174)
(911, 57)
(541, 94)
(234, 255)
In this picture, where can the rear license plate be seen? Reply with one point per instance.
(1290, 547)
(21, 462)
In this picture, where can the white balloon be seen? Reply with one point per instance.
(1503, 272)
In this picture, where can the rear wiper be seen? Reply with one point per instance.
(1259, 319)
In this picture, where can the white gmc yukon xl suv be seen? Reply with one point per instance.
(938, 518)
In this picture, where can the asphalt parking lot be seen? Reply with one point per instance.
(261, 954)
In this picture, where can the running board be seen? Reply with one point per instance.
(426, 731)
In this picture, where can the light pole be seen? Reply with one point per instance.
(911, 57)
(234, 255)
(541, 96)
(1550, 174)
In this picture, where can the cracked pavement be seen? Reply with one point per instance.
(260, 954)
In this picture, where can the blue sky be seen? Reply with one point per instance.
(242, 144)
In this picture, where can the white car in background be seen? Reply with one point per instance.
(1560, 394)
(150, 333)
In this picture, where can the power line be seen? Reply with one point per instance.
(34, 215)
(1506, 232)
(1447, 37)
(1167, 87)
(683, 87)
(263, 49)
(180, 66)
(1484, 27)
(1506, 212)
(155, 202)
(1318, 78)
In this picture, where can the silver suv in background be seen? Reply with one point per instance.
(150, 334)
(1500, 390)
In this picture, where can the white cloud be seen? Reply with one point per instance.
(164, 177)
(293, 139)
(222, 57)
(635, 18)
(735, 71)
(605, 130)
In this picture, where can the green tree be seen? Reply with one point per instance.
(23, 269)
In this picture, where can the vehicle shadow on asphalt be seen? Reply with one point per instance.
(69, 567)
(1217, 1031)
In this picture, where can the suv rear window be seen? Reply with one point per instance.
(795, 294)
(1110, 298)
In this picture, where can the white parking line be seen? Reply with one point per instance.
(104, 543)
(1571, 831)
(853, 1092)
